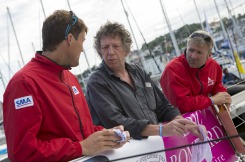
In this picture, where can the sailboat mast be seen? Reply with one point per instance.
(238, 30)
(170, 30)
(226, 34)
(198, 15)
(15, 36)
(221, 22)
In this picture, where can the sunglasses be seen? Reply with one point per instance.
(73, 20)
(200, 35)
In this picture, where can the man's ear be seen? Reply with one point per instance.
(69, 39)
(210, 54)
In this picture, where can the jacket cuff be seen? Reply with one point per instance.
(78, 148)
(140, 127)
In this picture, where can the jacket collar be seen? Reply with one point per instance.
(48, 62)
(129, 68)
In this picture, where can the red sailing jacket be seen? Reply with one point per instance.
(44, 111)
(188, 88)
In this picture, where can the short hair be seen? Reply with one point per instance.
(54, 28)
(113, 29)
(201, 37)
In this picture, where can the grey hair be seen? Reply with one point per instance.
(200, 40)
(113, 29)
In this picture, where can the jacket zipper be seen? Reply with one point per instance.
(199, 82)
(79, 118)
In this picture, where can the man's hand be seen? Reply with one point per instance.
(221, 98)
(102, 140)
(180, 127)
(194, 129)
(176, 127)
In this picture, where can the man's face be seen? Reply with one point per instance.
(112, 52)
(76, 49)
(197, 54)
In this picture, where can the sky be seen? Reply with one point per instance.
(27, 17)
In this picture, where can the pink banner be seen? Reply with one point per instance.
(221, 150)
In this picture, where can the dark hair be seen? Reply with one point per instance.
(113, 30)
(54, 28)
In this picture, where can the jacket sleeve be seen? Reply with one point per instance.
(105, 109)
(178, 92)
(164, 110)
(22, 127)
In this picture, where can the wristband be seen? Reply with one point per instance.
(212, 100)
(160, 129)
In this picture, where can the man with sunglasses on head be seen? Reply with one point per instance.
(190, 79)
(46, 117)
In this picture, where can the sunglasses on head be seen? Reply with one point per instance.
(73, 20)
(207, 38)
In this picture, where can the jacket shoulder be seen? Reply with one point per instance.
(96, 75)
(175, 64)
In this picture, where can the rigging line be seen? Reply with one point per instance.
(84, 51)
(1, 75)
(238, 118)
(240, 124)
(15, 36)
(7, 64)
(183, 146)
(143, 37)
(33, 47)
(238, 6)
(8, 46)
(39, 28)
(43, 9)
(68, 4)
(133, 36)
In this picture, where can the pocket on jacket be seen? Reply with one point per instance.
(150, 97)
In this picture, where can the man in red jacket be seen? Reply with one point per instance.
(46, 117)
(189, 79)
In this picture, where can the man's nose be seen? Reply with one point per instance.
(193, 55)
(110, 50)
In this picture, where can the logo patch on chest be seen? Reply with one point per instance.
(210, 82)
(75, 91)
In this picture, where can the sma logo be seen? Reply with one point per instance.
(22, 102)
